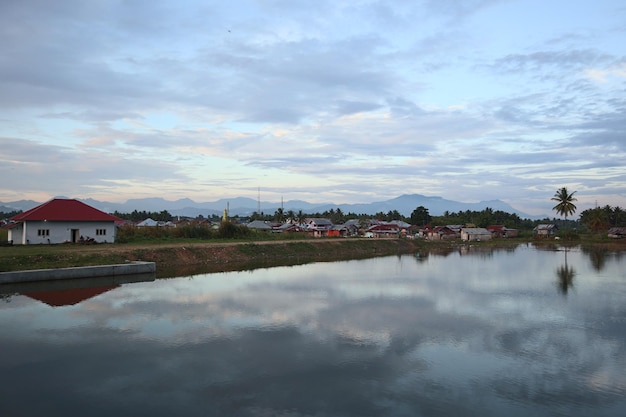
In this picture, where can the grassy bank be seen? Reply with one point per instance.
(192, 256)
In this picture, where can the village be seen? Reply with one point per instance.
(72, 221)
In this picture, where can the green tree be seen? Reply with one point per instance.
(279, 215)
(300, 217)
(565, 201)
(420, 216)
(595, 219)
(339, 217)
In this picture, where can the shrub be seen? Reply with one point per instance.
(228, 230)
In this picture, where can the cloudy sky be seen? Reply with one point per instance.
(327, 101)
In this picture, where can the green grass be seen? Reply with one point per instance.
(15, 258)
(21, 257)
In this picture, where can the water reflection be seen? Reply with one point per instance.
(68, 292)
(458, 333)
(565, 275)
(598, 257)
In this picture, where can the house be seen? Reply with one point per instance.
(545, 230)
(289, 227)
(383, 230)
(318, 226)
(498, 230)
(442, 233)
(353, 226)
(617, 232)
(339, 230)
(62, 220)
(259, 225)
(149, 222)
(475, 234)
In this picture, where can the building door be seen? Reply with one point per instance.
(75, 235)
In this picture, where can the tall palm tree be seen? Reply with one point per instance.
(565, 201)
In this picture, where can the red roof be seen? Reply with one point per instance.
(60, 209)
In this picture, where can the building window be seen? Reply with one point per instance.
(101, 232)
(43, 232)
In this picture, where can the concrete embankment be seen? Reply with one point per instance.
(130, 268)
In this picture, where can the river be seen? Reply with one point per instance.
(465, 332)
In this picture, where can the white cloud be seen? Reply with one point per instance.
(358, 101)
(605, 75)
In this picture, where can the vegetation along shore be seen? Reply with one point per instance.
(188, 258)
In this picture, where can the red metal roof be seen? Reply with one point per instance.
(60, 209)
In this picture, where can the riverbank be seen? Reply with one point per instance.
(193, 257)
(183, 258)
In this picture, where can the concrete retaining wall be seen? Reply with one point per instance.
(78, 272)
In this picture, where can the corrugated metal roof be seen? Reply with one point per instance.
(60, 209)
(476, 231)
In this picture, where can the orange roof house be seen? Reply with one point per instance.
(62, 220)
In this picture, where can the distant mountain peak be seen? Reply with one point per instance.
(244, 206)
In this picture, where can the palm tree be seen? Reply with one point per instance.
(565, 204)
(279, 214)
(596, 219)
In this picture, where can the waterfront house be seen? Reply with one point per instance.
(442, 233)
(498, 230)
(617, 232)
(384, 230)
(545, 230)
(475, 234)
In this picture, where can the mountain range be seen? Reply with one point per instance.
(242, 206)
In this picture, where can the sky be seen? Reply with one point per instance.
(328, 101)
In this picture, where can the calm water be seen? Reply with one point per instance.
(509, 333)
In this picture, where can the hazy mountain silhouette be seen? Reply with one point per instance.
(243, 206)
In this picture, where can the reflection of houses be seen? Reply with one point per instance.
(617, 232)
(545, 230)
(62, 220)
(475, 234)
(502, 231)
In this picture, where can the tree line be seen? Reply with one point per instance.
(597, 219)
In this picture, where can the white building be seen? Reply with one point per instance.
(62, 220)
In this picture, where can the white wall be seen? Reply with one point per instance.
(60, 232)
